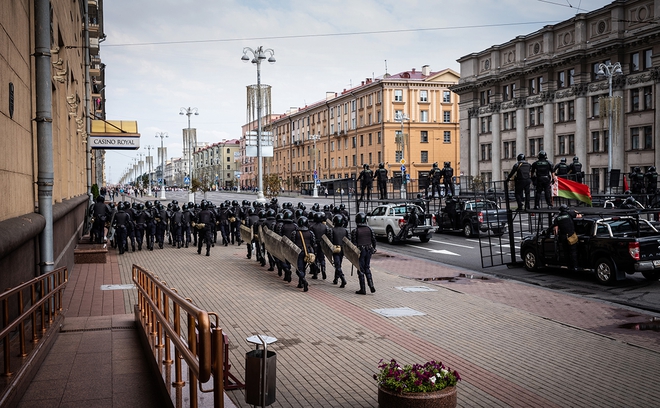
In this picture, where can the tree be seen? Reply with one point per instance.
(272, 185)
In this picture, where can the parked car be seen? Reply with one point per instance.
(611, 247)
(473, 217)
(389, 220)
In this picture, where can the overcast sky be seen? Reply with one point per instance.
(162, 55)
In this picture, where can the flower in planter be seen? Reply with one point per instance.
(432, 376)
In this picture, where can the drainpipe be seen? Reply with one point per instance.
(88, 120)
(44, 131)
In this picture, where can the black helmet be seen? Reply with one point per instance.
(234, 203)
(100, 199)
(184, 207)
(435, 165)
(156, 202)
(326, 207)
(543, 155)
(262, 214)
(246, 203)
(342, 207)
(169, 206)
(273, 200)
(288, 205)
(447, 164)
(303, 222)
(270, 213)
(204, 205)
(175, 202)
(630, 200)
(316, 207)
(287, 215)
(563, 160)
(364, 166)
(319, 217)
(120, 207)
(651, 168)
(360, 218)
(637, 169)
(338, 220)
(521, 157)
(149, 204)
(563, 208)
(576, 159)
(381, 165)
(250, 211)
(298, 213)
(111, 204)
(278, 217)
(301, 205)
(175, 208)
(255, 204)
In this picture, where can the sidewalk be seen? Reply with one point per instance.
(513, 344)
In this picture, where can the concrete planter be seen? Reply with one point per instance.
(438, 399)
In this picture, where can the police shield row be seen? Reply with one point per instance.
(542, 175)
(200, 224)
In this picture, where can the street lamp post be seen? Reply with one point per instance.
(257, 56)
(189, 111)
(162, 136)
(402, 117)
(608, 70)
(316, 176)
(150, 194)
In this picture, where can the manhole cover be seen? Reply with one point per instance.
(399, 312)
(416, 289)
(118, 287)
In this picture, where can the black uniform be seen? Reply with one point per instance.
(575, 171)
(561, 169)
(381, 182)
(365, 239)
(448, 178)
(177, 226)
(565, 228)
(336, 235)
(101, 213)
(435, 175)
(366, 179)
(651, 181)
(286, 228)
(298, 237)
(205, 217)
(542, 170)
(121, 223)
(319, 229)
(187, 220)
(143, 218)
(521, 173)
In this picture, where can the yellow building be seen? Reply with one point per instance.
(360, 126)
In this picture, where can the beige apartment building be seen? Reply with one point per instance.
(338, 135)
(542, 91)
(218, 164)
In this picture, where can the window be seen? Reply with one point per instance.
(424, 116)
(379, 117)
(606, 141)
(486, 151)
(571, 77)
(506, 92)
(482, 97)
(634, 62)
(446, 116)
(532, 147)
(648, 137)
(595, 141)
(370, 139)
(398, 95)
(354, 142)
(539, 115)
(634, 99)
(353, 105)
(571, 144)
(425, 156)
(446, 96)
(648, 97)
(354, 160)
(361, 140)
(634, 138)
(423, 96)
(332, 146)
(370, 158)
(535, 85)
(379, 139)
(561, 79)
(561, 144)
(513, 120)
(647, 59)
(595, 106)
(447, 137)
(513, 149)
(369, 121)
(485, 97)
(571, 110)
(379, 156)
(532, 116)
(561, 112)
(424, 136)
(505, 121)
(397, 114)
(505, 149)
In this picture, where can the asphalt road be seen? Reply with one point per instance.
(457, 250)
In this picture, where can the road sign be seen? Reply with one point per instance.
(315, 173)
(318, 182)
(316, 177)
(186, 180)
(160, 180)
(402, 161)
(403, 168)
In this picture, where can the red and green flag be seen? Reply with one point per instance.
(572, 190)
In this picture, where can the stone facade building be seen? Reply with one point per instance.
(541, 91)
(338, 135)
(217, 164)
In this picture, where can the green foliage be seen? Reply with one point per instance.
(95, 191)
(272, 185)
(432, 376)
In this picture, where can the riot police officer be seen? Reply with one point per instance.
(366, 179)
(575, 170)
(542, 171)
(205, 220)
(364, 238)
(337, 234)
(448, 178)
(177, 225)
(381, 181)
(186, 223)
(319, 228)
(561, 168)
(435, 175)
(637, 181)
(141, 221)
(304, 238)
(285, 229)
(121, 222)
(564, 228)
(521, 173)
(101, 213)
(651, 180)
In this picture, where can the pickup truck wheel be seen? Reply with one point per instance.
(391, 238)
(467, 230)
(530, 259)
(425, 238)
(652, 276)
(605, 272)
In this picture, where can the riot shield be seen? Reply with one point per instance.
(246, 233)
(351, 252)
(327, 248)
(272, 242)
(289, 250)
(111, 227)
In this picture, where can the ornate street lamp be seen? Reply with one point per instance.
(189, 111)
(162, 136)
(259, 55)
(609, 71)
(402, 117)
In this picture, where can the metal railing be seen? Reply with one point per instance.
(192, 337)
(33, 317)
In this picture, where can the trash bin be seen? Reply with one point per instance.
(254, 376)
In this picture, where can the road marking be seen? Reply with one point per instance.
(436, 251)
(449, 243)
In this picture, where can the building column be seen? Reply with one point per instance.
(496, 161)
(581, 134)
(549, 126)
(473, 148)
(656, 120)
(521, 143)
(619, 136)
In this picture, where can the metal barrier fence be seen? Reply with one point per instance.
(34, 317)
(192, 337)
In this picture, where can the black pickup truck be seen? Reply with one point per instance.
(472, 217)
(609, 246)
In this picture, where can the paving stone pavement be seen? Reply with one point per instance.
(514, 345)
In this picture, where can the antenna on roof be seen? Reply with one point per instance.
(385, 67)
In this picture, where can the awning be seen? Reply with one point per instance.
(114, 134)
